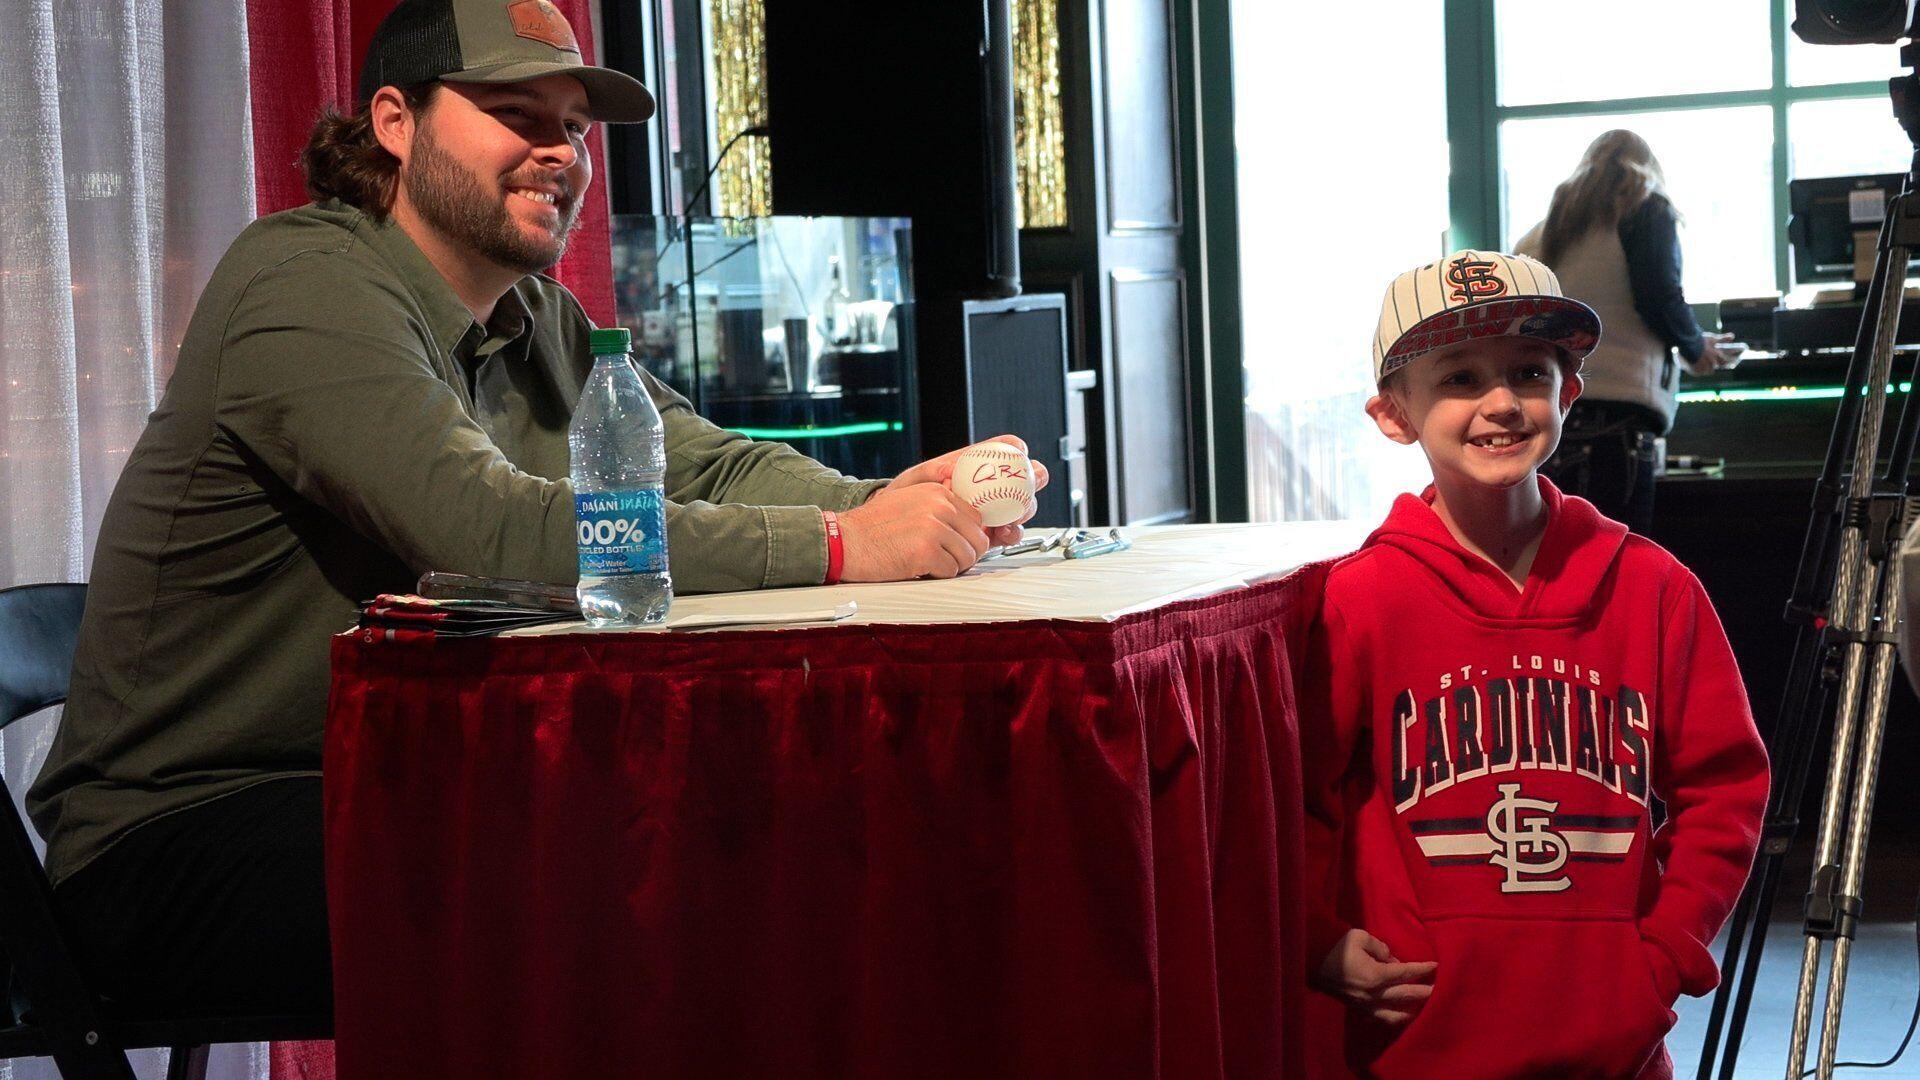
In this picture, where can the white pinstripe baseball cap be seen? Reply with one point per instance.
(1475, 294)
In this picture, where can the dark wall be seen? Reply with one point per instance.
(887, 109)
(1743, 538)
(1120, 260)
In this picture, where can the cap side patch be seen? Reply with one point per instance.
(539, 20)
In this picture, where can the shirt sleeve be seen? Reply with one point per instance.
(744, 513)
(352, 414)
(325, 379)
(705, 461)
(1651, 238)
(1710, 768)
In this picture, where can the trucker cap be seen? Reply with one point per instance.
(1477, 294)
(493, 41)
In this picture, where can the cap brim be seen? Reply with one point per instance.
(1558, 320)
(613, 97)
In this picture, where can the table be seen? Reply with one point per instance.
(1037, 821)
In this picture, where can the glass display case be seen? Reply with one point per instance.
(790, 328)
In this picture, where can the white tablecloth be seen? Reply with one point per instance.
(1166, 563)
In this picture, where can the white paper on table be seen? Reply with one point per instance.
(1167, 563)
(694, 617)
(707, 620)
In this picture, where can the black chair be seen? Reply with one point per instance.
(54, 1014)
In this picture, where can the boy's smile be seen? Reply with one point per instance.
(1487, 412)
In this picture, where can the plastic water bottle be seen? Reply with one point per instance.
(619, 456)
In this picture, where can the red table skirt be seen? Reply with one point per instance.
(1019, 849)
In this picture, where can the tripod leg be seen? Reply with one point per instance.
(1847, 904)
(1830, 1019)
(1839, 773)
(1729, 974)
(1831, 563)
(1770, 876)
(1857, 596)
(1803, 703)
(1803, 1007)
(1797, 720)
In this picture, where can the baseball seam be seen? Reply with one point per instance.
(1007, 456)
(995, 494)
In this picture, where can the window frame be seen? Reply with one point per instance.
(1475, 115)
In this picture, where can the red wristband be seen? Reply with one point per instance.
(836, 555)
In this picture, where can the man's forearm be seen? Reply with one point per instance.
(736, 547)
(707, 463)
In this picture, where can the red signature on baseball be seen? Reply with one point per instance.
(992, 471)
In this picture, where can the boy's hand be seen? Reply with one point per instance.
(1362, 972)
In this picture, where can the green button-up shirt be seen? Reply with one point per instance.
(337, 424)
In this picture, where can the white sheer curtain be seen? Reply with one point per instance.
(126, 164)
(1340, 130)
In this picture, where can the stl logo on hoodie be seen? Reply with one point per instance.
(1504, 735)
(1527, 850)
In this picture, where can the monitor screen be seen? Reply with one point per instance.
(1827, 211)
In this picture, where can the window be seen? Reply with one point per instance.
(1845, 137)
(1713, 85)
(1814, 65)
(1334, 201)
(1719, 169)
(1561, 52)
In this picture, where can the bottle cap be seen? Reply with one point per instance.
(614, 339)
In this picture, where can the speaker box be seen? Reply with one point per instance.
(892, 108)
(1017, 362)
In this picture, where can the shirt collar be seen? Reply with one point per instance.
(511, 319)
(447, 317)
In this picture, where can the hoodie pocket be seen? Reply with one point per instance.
(1533, 997)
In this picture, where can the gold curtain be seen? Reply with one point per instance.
(744, 185)
(1039, 137)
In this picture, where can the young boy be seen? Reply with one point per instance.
(1503, 683)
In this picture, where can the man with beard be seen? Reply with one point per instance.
(375, 385)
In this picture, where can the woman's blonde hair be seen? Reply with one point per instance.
(1615, 176)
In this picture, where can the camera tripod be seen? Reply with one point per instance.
(1846, 607)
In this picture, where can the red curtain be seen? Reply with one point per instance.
(306, 54)
(1030, 849)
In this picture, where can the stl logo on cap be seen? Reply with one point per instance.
(539, 20)
(1477, 294)
(1475, 279)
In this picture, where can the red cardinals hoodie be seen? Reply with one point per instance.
(1480, 763)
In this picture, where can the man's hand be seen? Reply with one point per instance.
(1362, 972)
(920, 530)
(940, 471)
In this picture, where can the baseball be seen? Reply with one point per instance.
(995, 479)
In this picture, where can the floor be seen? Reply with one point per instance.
(1882, 982)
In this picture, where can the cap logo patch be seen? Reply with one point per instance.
(1474, 280)
(540, 21)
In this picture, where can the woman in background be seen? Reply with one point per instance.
(1611, 235)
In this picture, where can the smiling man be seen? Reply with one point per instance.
(375, 385)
